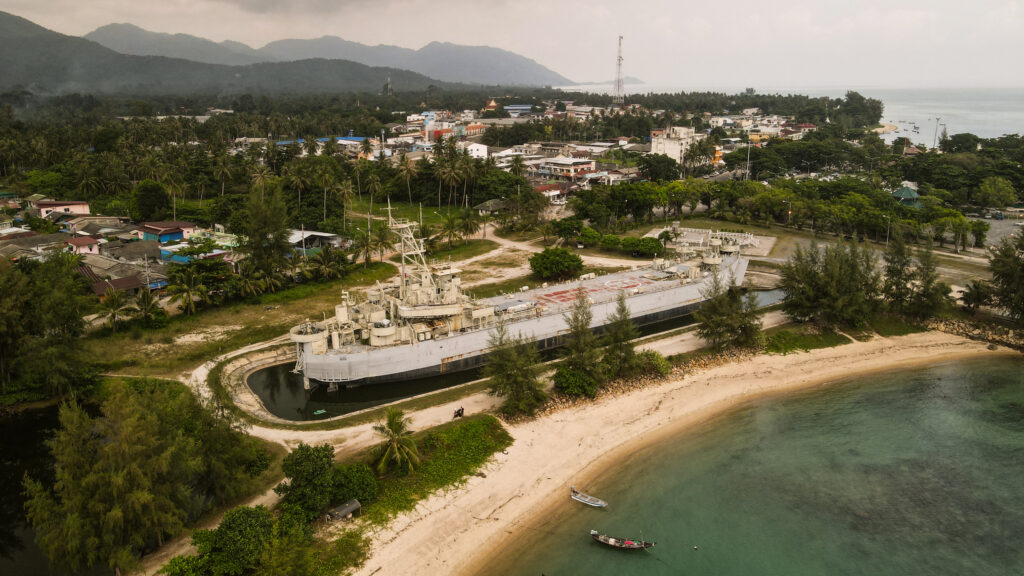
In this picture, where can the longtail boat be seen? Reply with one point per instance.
(621, 543)
(586, 498)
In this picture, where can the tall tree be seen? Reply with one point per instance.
(513, 368)
(835, 285)
(308, 470)
(727, 317)
(929, 295)
(619, 333)
(407, 169)
(115, 307)
(265, 232)
(187, 289)
(580, 372)
(896, 288)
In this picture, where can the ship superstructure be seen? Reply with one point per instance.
(425, 324)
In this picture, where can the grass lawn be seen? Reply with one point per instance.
(459, 251)
(887, 326)
(399, 209)
(791, 338)
(190, 340)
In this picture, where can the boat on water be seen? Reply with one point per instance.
(621, 543)
(586, 498)
(425, 325)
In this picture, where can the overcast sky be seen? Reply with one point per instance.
(766, 44)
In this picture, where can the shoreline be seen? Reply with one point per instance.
(480, 521)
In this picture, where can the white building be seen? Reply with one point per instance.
(674, 142)
(474, 149)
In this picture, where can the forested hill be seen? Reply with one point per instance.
(45, 62)
(444, 61)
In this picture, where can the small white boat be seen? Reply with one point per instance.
(586, 498)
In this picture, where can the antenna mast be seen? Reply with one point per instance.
(620, 91)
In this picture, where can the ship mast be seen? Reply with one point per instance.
(411, 249)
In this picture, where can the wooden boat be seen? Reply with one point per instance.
(586, 498)
(621, 543)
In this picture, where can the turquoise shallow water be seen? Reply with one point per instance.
(917, 472)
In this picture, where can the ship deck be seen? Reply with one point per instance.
(604, 288)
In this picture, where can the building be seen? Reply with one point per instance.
(474, 149)
(563, 168)
(48, 207)
(166, 231)
(83, 245)
(674, 142)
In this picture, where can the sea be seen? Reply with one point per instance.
(908, 473)
(984, 112)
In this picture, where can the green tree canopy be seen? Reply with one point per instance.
(556, 264)
(513, 367)
(150, 201)
(309, 473)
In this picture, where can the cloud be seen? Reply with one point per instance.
(312, 7)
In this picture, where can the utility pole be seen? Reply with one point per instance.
(619, 98)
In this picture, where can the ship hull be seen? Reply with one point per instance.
(469, 350)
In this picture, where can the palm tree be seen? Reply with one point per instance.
(398, 448)
(469, 224)
(467, 168)
(325, 264)
(407, 170)
(114, 307)
(358, 168)
(221, 171)
(325, 177)
(517, 167)
(362, 246)
(147, 306)
(187, 291)
(448, 173)
(250, 279)
(343, 193)
(296, 180)
(450, 229)
(383, 238)
(373, 186)
(261, 176)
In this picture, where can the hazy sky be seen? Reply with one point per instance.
(766, 44)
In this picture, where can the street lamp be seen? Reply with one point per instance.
(887, 222)
(789, 210)
(807, 165)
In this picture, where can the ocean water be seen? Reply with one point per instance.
(908, 473)
(985, 112)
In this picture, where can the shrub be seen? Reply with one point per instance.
(354, 481)
(572, 382)
(610, 242)
(589, 237)
(652, 363)
(556, 264)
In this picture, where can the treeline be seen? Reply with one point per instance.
(152, 462)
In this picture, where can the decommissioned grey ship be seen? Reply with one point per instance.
(425, 325)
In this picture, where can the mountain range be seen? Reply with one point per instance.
(440, 60)
(46, 62)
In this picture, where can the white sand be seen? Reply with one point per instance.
(459, 531)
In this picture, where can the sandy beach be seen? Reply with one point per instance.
(458, 532)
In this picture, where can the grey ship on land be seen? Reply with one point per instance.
(426, 325)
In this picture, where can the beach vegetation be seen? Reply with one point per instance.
(449, 454)
(898, 273)
(354, 482)
(153, 461)
(788, 340)
(728, 317)
(580, 372)
(976, 294)
(308, 471)
(620, 331)
(652, 363)
(1006, 262)
(513, 368)
(556, 264)
(929, 296)
(834, 285)
(888, 325)
(398, 449)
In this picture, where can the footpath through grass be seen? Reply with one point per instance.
(449, 454)
(190, 340)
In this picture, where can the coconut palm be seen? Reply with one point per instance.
(407, 170)
(383, 238)
(373, 186)
(250, 279)
(325, 178)
(451, 174)
(362, 246)
(221, 171)
(147, 306)
(187, 291)
(517, 167)
(295, 179)
(469, 224)
(325, 264)
(260, 177)
(398, 448)
(450, 229)
(115, 307)
(342, 192)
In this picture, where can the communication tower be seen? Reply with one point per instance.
(620, 92)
